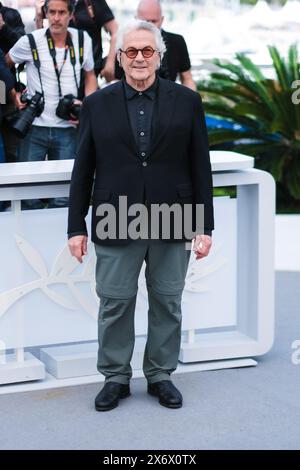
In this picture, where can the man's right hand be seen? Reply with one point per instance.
(78, 246)
(39, 8)
(39, 14)
(16, 98)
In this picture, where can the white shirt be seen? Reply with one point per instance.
(21, 52)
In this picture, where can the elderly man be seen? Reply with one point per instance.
(176, 61)
(143, 138)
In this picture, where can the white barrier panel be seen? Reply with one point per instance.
(46, 297)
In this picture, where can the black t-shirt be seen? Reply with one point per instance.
(176, 58)
(93, 26)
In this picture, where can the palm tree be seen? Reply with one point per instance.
(265, 119)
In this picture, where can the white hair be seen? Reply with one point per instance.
(136, 25)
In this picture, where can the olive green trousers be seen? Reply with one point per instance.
(117, 273)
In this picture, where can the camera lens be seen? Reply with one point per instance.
(26, 117)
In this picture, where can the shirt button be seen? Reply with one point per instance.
(142, 133)
(141, 112)
(143, 154)
(145, 163)
(140, 93)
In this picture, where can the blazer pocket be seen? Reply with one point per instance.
(101, 194)
(184, 190)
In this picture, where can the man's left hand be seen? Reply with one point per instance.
(74, 120)
(202, 245)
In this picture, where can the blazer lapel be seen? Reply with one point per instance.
(163, 112)
(119, 116)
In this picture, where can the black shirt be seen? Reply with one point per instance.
(93, 26)
(140, 106)
(176, 58)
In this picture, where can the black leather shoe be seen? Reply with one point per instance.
(167, 393)
(108, 397)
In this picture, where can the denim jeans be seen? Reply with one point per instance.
(54, 142)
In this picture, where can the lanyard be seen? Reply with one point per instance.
(68, 47)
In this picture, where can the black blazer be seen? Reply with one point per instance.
(177, 168)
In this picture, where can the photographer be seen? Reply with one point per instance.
(91, 16)
(55, 71)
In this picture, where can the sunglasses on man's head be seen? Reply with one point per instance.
(132, 52)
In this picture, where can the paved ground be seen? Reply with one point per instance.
(246, 408)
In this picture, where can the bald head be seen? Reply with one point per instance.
(150, 10)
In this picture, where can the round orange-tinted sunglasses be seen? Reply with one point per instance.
(132, 52)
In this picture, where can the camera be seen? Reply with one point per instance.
(67, 109)
(21, 121)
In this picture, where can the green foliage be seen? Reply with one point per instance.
(267, 119)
